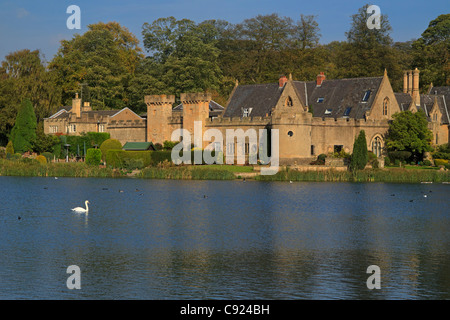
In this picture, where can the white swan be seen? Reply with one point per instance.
(79, 209)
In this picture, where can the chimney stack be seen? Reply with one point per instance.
(282, 81)
(76, 106)
(405, 82)
(320, 78)
(415, 86)
(410, 84)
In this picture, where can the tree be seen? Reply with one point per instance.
(185, 54)
(105, 57)
(409, 132)
(367, 52)
(9, 148)
(360, 156)
(23, 75)
(431, 52)
(93, 156)
(23, 134)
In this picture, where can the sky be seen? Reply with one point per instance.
(42, 25)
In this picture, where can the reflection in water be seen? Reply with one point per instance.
(242, 241)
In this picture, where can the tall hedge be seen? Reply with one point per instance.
(93, 156)
(360, 155)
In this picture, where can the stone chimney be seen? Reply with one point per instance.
(282, 81)
(86, 106)
(320, 78)
(76, 106)
(405, 81)
(410, 84)
(415, 87)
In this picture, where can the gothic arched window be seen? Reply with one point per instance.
(385, 106)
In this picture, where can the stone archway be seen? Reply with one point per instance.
(377, 145)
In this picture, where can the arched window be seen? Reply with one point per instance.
(377, 146)
(289, 102)
(385, 106)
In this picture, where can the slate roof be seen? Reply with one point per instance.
(260, 97)
(426, 104)
(64, 112)
(336, 97)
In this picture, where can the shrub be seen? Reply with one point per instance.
(375, 164)
(158, 146)
(110, 144)
(440, 162)
(10, 148)
(41, 159)
(321, 157)
(447, 166)
(160, 156)
(48, 156)
(426, 163)
(2, 152)
(387, 161)
(168, 145)
(13, 156)
(441, 155)
(93, 156)
(125, 159)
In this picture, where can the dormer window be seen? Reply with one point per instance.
(320, 100)
(347, 111)
(246, 112)
(366, 96)
(328, 111)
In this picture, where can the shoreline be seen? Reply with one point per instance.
(222, 172)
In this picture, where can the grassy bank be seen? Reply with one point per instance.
(72, 169)
(394, 175)
(186, 173)
(221, 172)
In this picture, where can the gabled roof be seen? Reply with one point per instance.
(426, 104)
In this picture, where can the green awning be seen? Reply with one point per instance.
(138, 146)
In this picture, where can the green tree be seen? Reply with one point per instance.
(367, 52)
(185, 53)
(23, 75)
(360, 155)
(23, 134)
(409, 132)
(105, 57)
(431, 52)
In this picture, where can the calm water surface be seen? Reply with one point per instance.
(162, 239)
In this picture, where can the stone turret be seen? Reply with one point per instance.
(159, 110)
(195, 108)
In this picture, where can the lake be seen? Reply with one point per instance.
(172, 239)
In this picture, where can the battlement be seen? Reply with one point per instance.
(159, 99)
(127, 123)
(193, 98)
(240, 121)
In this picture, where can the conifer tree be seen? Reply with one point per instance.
(23, 134)
(360, 156)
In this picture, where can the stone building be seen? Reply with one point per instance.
(312, 117)
(123, 125)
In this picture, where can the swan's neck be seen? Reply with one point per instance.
(87, 207)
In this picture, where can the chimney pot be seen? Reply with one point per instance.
(282, 81)
(320, 78)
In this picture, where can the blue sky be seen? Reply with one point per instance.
(41, 24)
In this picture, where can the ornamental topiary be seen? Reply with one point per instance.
(110, 144)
